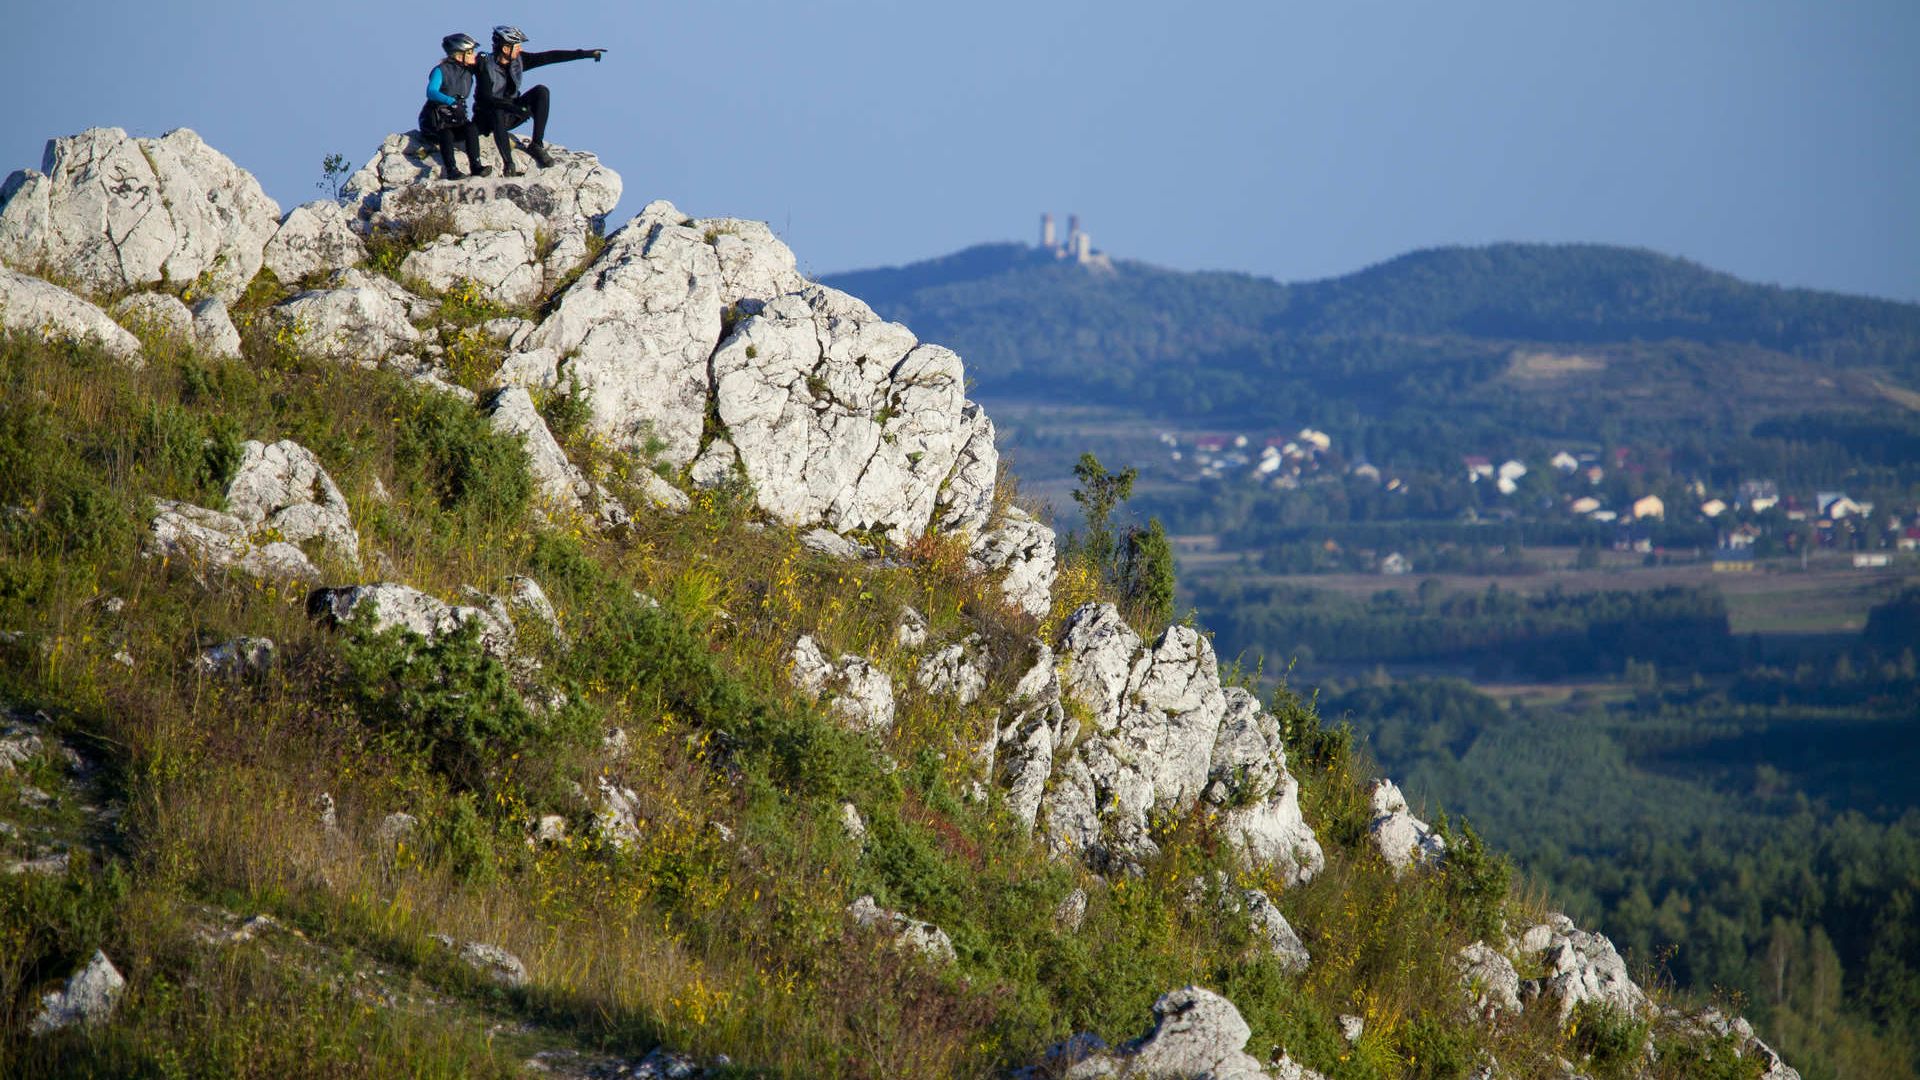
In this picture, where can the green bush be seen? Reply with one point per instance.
(1611, 1039)
(446, 699)
(470, 469)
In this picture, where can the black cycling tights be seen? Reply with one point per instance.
(468, 135)
(532, 103)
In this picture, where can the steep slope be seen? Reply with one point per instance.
(620, 654)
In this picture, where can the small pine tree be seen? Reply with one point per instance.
(1099, 492)
(1148, 575)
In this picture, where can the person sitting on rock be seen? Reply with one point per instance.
(502, 106)
(445, 113)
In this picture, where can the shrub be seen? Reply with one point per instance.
(446, 699)
(1611, 1039)
(470, 469)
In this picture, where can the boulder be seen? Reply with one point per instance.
(617, 822)
(861, 694)
(314, 237)
(1276, 934)
(356, 318)
(400, 186)
(496, 964)
(213, 329)
(1580, 967)
(1022, 548)
(839, 418)
(503, 263)
(87, 998)
(1713, 1023)
(910, 630)
(922, 938)
(512, 412)
(410, 609)
(1197, 1035)
(1403, 840)
(241, 656)
(1248, 758)
(283, 488)
(155, 314)
(114, 213)
(42, 309)
(951, 673)
(221, 541)
(635, 333)
(525, 594)
(1273, 832)
(1492, 985)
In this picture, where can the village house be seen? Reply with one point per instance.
(1478, 468)
(1649, 507)
(1585, 504)
(1395, 563)
(1834, 505)
(1713, 508)
(1565, 462)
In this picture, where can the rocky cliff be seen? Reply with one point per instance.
(683, 410)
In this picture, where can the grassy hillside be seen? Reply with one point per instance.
(199, 800)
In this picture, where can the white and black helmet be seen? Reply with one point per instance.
(455, 44)
(507, 35)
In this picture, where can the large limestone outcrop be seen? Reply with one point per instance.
(1158, 713)
(1491, 984)
(1197, 1035)
(313, 237)
(401, 184)
(29, 305)
(635, 333)
(1580, 967)
(113, 212)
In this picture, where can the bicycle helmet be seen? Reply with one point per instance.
(455, 44)
(507, 35)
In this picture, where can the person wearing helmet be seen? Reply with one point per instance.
(445, 113)
(502, 105)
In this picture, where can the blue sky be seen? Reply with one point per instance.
(1775, 140)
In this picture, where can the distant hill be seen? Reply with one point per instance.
(1433, 350)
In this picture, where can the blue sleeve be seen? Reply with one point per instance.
(433, 89)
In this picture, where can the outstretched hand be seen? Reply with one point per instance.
(596, 54)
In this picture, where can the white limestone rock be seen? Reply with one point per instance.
(210, 539)
(87, 998)
(283, 488)
(861, 694)
(1248, 758)
(511, 412)
(635, 333)
(1404, 840)
(951, 673)
(910, 934)
(1491, 984)
(617, 822)
(155, 314)
(1023, 548)
(1197, 1035)
(241, 656)
(1713, 1023)
(910, 630)
(213, 329)
(1274, 930)
(44, 310)
(525, 595)
(966, 498)
(355, 319)
(1273, 832)
(1580, 967)
(852, 823)
(496, 964)
(114, 213)
(1027, 743)
(1070, 912)
(840, 418)
(717, 466)
(409, 608)
(400, 185)
(755, 266)
(502, 262)
(569, 246)
(313, 238)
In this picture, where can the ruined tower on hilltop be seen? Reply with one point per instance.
(1077, 246)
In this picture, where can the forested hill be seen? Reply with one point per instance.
(1011, 308)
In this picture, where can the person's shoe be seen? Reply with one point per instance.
(538, 152)
(479, 170)
(511, 169)
(453, 173)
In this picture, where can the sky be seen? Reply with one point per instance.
(1779, 141)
